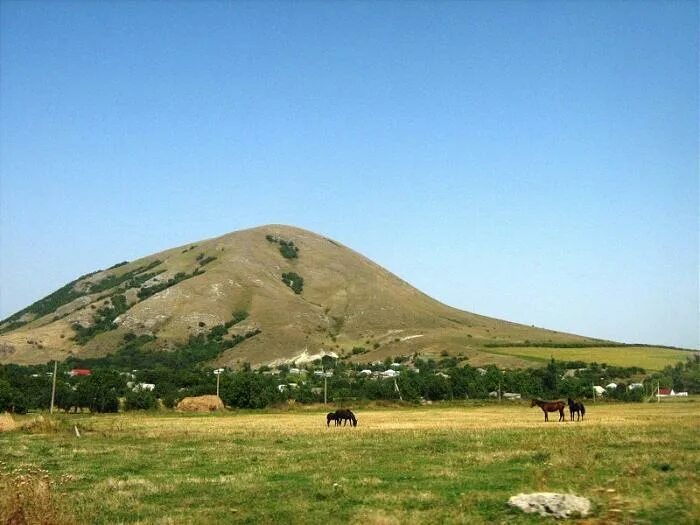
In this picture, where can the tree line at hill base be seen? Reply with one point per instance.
(115, 379)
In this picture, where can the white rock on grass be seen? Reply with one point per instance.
(552, 504)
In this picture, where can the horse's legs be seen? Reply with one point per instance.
(546, 416)
(561, 414)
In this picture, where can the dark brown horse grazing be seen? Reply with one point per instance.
(576, 407)
(550, 406)
(345, 415)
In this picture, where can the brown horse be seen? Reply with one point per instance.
(550, 406)
(345, 415)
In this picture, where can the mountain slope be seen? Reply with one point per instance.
(346, 301)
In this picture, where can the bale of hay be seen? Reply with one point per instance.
(6, 422)
(200, 404)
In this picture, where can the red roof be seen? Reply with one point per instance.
(665, 391)
(80, 372)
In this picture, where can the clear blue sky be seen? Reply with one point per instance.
(531, 161)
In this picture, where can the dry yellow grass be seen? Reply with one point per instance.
(647, 357)
(7, 422)
(507, 415)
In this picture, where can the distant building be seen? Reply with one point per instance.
(669, 392)
(80, 372)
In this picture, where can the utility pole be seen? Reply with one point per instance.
(53, 386)
(396, 387)
(593, 387)
(217, 373)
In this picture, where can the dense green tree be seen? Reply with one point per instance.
(100, 391)
(248, 390)
(140, 399)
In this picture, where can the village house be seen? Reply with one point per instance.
(80, 372)
(669, 392)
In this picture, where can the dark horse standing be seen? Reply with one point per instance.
(344, 415)
(332, 417)
(550, 406)
(576, 407)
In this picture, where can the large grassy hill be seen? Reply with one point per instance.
(287, 289)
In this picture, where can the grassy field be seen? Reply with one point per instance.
(650, 358)
(638, 463)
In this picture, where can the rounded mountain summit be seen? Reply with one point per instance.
(264, 294)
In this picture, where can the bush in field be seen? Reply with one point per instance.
(294, 281)
(140, 399)
(170, 399)
(287, 248)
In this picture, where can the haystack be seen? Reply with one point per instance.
(6, 422)
(200, 404)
